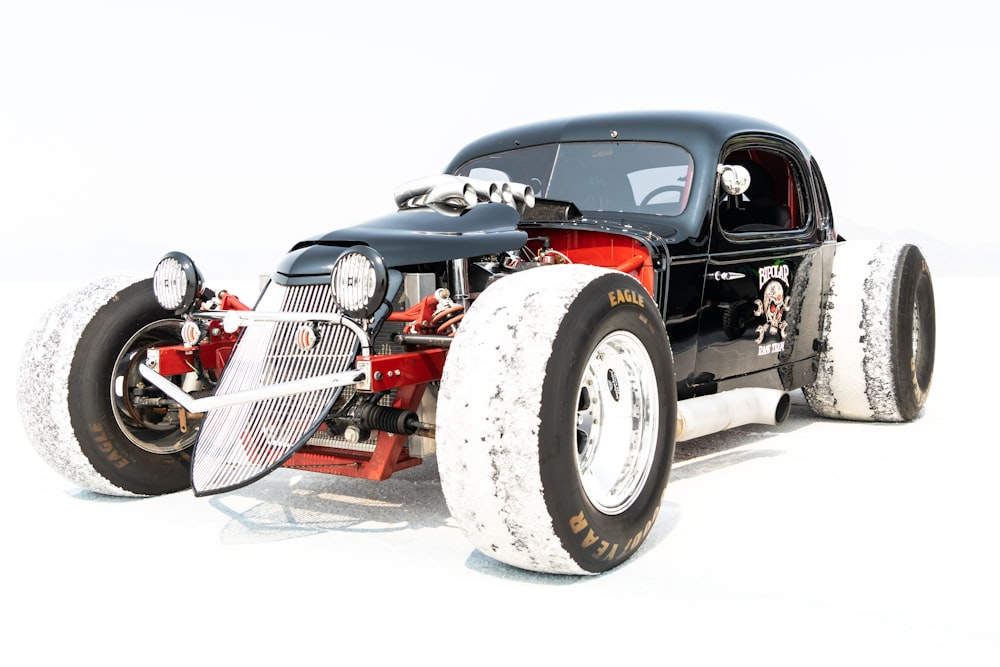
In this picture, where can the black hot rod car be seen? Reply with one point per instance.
(548, 317)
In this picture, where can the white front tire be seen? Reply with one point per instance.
(556, 419)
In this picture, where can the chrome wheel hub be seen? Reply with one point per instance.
(617, 417)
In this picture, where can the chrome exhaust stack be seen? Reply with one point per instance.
(413, 193)
(488, 191)
(705, 415)
(453, 195)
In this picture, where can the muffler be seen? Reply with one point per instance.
(704, 415)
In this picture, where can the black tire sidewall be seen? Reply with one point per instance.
(92, 417)
(598, 541)
(912, 375)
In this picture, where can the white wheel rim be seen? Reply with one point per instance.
(617, 420)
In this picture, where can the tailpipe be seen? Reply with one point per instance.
(704, 415)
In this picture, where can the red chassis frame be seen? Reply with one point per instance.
(408, 373)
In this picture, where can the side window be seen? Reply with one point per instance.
(774, 200)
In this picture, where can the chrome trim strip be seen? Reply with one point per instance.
(232, 320)
(204, 404)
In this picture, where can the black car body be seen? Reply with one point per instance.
(708, 277)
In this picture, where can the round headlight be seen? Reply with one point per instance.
(176, 282)
(359, 282)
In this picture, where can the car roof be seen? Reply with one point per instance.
(702, 133)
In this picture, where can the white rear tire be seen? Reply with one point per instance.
(879, 328)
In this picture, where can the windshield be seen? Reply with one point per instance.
(629, 177)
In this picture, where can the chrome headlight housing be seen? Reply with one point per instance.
(177, 282)
(359, 281)
(735, 178)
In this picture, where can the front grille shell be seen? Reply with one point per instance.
(242, 443)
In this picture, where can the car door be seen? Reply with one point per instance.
(763, 280)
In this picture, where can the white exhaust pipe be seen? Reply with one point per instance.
(452, 195)
(413, 190)
(704, 415)
(523, 195)
(488, 191)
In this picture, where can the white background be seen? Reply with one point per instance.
(231, 130)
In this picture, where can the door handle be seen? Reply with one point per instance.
(725, 275)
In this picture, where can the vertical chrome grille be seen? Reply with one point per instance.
(240, 444)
